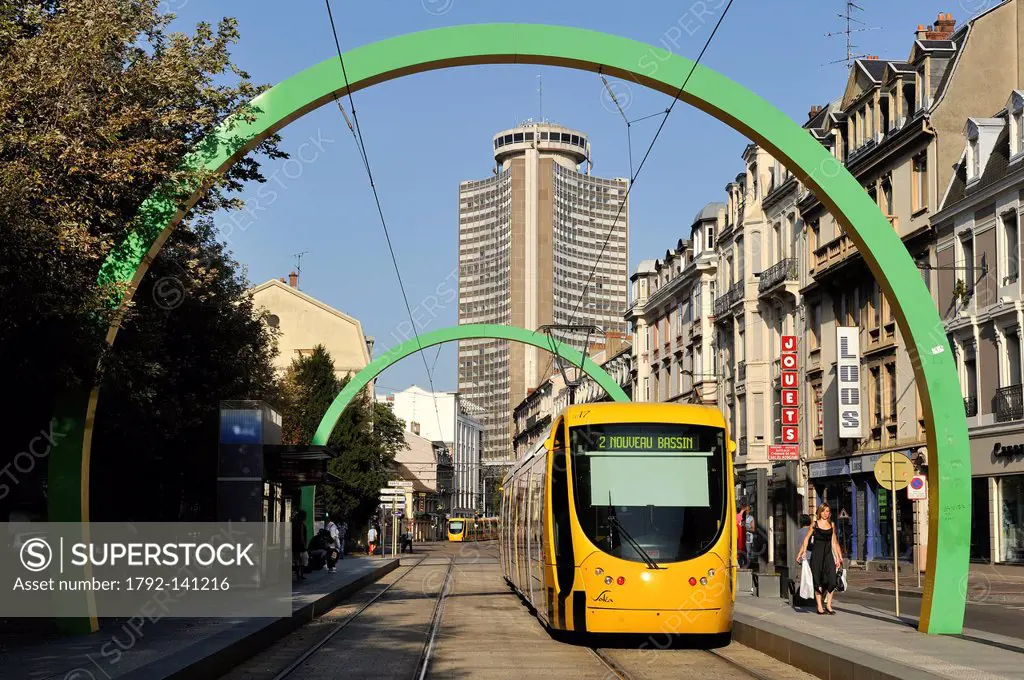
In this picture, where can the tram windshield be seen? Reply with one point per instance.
(455, 527)
(659, 485)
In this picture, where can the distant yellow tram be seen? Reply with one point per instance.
(472, 529)
(620, 521)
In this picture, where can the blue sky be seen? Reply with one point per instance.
(426, 133)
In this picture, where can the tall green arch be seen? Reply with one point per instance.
(438, 337)
(741, 109)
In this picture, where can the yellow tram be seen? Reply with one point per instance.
(472, 529)
(620, 521)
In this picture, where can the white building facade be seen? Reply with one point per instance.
(448, 418)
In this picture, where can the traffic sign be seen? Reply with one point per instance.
(388, 500)
(398, 513)
(918, 488)
(885, 466)
(400, 484)
(391, 491)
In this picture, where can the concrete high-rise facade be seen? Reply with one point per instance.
(529, 237)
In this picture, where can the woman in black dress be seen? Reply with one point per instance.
(826, 556)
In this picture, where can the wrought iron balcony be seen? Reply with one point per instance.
(971, 406)
(722, 305)
(741, 447)
(741, 371)
(1009, 404)
(780, 272)
(735, 293)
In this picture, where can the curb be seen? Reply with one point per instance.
(821, 658)
(216, 655)
(997, 599)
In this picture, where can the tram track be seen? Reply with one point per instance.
(618, 670)
(302, 657)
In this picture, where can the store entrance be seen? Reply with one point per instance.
(981, 542)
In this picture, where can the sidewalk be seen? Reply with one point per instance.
(865, 642)
(201, 648)
(985, 584)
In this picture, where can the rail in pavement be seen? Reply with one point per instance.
(185, 648)
(861, 642)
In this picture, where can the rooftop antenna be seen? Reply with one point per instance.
(298, 266)
(540, 98)
(848, 17)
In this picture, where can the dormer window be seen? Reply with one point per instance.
(973, 160)
(1015, 107)
(920, 85)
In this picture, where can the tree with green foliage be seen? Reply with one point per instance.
(99, 103)
(192, 342)
(367, 437)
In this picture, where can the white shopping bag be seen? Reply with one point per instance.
(842, 580)
(806, 581)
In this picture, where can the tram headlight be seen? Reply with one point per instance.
(703, 580)
(607, 580)
(711, 573)
(599, 571)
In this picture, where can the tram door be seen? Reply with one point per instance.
(565, 562)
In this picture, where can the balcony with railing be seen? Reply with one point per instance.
(741, 371)
(971, 406)
(741, 446)
(1009, 403)
(722, 305)
(736, 293)
(837, 250)
(778, 275)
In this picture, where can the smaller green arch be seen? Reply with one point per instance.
(438, 337)
(461, 332)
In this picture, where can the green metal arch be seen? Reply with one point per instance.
(462, 332)
(438, 337)
(741, 109)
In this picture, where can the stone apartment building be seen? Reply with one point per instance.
(671, 317)
(785, 267)
(978, 290)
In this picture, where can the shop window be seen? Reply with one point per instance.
(1012, 529)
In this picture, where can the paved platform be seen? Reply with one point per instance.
(863, 642)
(183, 648)
(986, 584)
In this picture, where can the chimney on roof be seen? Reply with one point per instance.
(282, 280)
(293, 280)
(815, 110)
(922, 31)
(943, 29)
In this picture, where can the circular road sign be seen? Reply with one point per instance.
(885, 466)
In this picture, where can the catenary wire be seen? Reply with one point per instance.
(634, 176)
(361, 145)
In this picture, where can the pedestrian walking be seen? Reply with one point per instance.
(371, 539)
(825, 560)
(741, 533)
(342, 537)
(333, 548)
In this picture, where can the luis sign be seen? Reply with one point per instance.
(848, 382)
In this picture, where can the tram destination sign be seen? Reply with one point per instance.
(640, 441)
